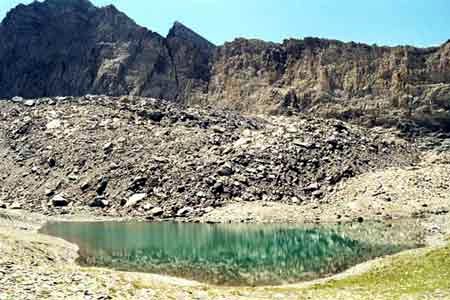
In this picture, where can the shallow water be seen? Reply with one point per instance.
(222, 254)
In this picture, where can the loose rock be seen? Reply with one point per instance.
(59, 201)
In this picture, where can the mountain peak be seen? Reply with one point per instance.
(37, 10)
(178, 24)
(73, 3)
(179, 30)
(178, 27)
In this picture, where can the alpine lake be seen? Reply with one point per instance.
(235, 254)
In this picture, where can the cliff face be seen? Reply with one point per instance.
(70, 47)
(377, 85)
(299, 72)
(191, 54)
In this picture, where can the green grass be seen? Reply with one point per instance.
(409, 275)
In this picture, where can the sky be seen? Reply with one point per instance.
(420, 23)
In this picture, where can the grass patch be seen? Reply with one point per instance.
(407, 275)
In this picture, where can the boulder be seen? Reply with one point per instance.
(156, 211)
(99, 202)
(185, 211)
(225, 170)
(54, 124)
(135, 199)
(59, 201)
(16, 205)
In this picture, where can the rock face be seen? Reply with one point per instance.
(192, 56)
(345, 80)
(110, 155)
(70, 47)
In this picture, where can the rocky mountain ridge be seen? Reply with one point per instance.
(71, 47)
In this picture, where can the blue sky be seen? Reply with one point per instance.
(384, 22)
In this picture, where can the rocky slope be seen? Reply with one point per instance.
(150, 158)
(101, 51)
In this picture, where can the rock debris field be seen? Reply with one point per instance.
(141, 157)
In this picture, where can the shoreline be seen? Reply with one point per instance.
(23, 232)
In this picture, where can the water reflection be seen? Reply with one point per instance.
(219, 254)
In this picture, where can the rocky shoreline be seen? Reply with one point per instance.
(35, 266)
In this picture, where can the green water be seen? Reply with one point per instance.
(219, 254)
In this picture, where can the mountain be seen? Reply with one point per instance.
(61, 47)
(71, 47)
(376, 85)
(191, 56)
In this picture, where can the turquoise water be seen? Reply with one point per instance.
(219, 254)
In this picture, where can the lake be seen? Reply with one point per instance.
(227, 254)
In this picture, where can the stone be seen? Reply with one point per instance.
(137, 183)
(185, 211)
(54, 124)
(296, 200)
(59, 201)
(225, 170)
(72, 177)
(303, 144)
(155, 116)
(312, 187)
(102, 185)
(201, 194)
(99, 202)
(108, 147)
(135, 199)
(147, 206)
(218, 188)
(15, 205)
(29, 103)
(317, 193)
(85, 185)
(49, 192)
(291, 129)
(156, 211)
(51, 162)
(218, 129)
(17, 99)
